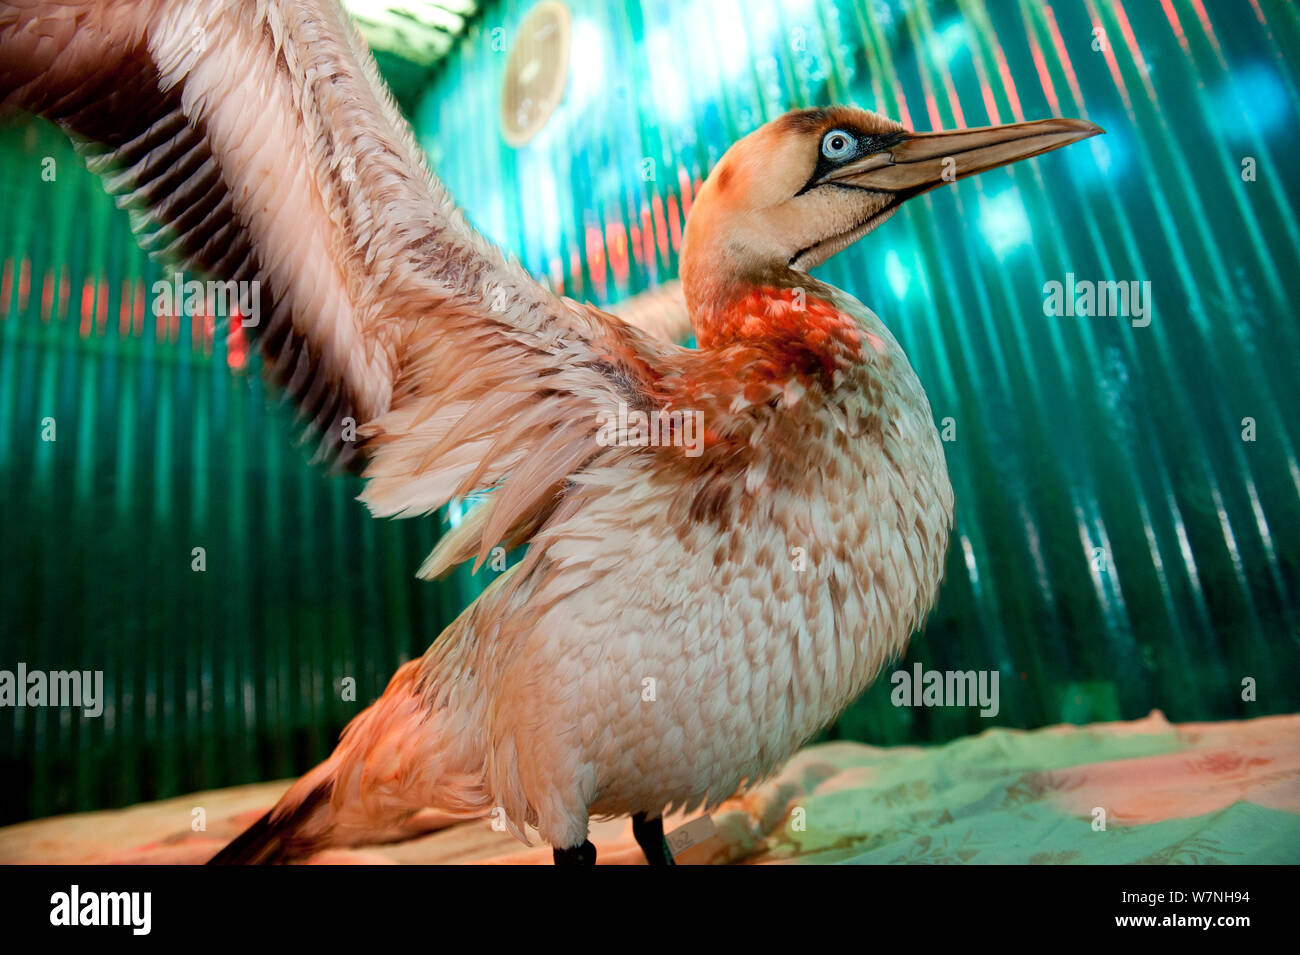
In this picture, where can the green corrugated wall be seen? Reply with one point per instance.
(1118, 546)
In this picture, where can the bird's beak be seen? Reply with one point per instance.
(921, 161)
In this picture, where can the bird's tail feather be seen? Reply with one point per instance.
(395, 758)
(277, 838)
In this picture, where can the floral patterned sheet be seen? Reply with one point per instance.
(1139, 792)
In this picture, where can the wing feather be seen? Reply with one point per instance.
(254, 141)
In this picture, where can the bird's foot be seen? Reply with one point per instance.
(649, 834)
(584, 854)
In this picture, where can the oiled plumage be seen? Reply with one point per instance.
(679, 623)
(679, 626)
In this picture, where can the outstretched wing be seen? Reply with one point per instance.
(254, 141)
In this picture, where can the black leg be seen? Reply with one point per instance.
(584, 854)
(649, 835)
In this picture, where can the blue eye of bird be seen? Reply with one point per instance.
(837, 144)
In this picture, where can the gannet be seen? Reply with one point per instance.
(686, 613)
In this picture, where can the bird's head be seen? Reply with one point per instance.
(804, 186)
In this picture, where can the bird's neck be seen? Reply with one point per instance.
(778, 311)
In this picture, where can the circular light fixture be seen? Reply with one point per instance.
(536, 71)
